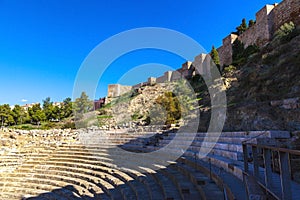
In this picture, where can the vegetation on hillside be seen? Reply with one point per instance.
(270, 74)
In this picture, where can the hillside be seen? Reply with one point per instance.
(263, 93)
(157, 105)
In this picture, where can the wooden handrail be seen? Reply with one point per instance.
(284, 167)
(290, 151)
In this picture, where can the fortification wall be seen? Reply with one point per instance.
(167, 77)
(261, 32)
(225, 51)
(186, 69)
(151, 80)
(115, 90)
(161, 79)
(268, 20)
(286, 11)
(198, 64)
(176, 75)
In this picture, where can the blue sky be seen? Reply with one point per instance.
(44, 42)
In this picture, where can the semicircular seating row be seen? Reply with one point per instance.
(76, 171)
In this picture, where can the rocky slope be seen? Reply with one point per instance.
(134, 106)
(265, 95)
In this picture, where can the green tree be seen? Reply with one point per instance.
(242, 27)
(82, 105)
(172, 106)
(19, 114)
(36, 114)
(56, 112)
(67, 108)
(6, 115)
(48, 108)
(251, 23)
(215, 57)
(240, 54)
(237, 52)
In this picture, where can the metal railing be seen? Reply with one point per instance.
(271, 155)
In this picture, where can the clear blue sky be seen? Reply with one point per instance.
(44, 42)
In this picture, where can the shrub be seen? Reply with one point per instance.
(48, 125)
(284, 30)
(229, 68)
(26, 127)
(172, 106)
(68, 125)
(251, 49)
(240, 54)
(237, 52)
(136, 116)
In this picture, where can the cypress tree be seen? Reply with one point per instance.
(215, 56)
(251, 23)
(243, 27)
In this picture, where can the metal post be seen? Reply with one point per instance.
(273, 161)
(210, 169)
(268, 167)
(195, 156)
(255, 162)
(245, 152)
(286, 191)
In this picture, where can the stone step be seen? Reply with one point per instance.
(220, 145)
(232, 140)
(169, 189)
(208, 188)
(246, 134)
(217, 145)
(116, 178)
(89, 176)
(50, 182)
(156, 190)
(16, 195)
(196, 150)
(229, 165)
(34, 188)
(186, 188)
(15, 192)
(127, 189)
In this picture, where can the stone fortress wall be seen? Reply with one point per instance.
(115, 90)
(268, 20)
